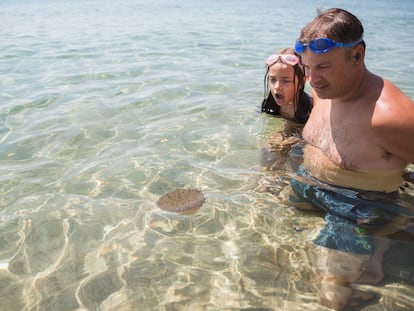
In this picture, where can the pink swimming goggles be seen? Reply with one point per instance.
(289, 59)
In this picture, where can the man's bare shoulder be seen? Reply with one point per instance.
(393, 108)
(393, 122)
(394, 100)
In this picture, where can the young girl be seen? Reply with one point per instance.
(285, 97)
(284, 87)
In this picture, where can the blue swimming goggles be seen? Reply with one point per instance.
(322, 45)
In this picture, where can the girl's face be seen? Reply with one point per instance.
(282, 84)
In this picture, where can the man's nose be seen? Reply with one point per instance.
(311, 75)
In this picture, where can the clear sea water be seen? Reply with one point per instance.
(107, 105)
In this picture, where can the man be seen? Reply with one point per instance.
(361, 129)
(360, 139)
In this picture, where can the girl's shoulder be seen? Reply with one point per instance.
(309, 100)
(304, 108)
(269, 106)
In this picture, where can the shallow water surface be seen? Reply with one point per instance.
(105, 106)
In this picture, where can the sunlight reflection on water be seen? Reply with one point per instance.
(106, 106)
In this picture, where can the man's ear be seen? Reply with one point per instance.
(358, 53)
